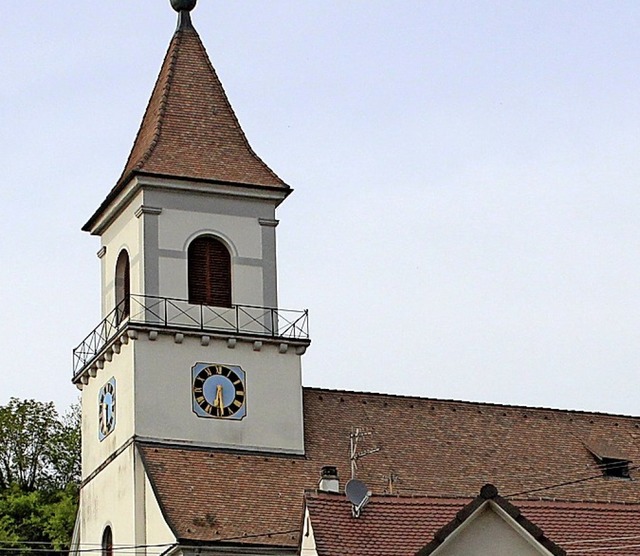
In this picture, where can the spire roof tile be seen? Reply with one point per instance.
(189, 129)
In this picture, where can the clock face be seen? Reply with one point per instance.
(218, 391)
(107, 409)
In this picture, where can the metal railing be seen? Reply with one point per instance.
(172, 313)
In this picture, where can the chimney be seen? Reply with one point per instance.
(329, 481)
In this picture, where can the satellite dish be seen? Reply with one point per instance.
(358, 494)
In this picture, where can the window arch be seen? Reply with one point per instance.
(123, 286)
(107, 542)
(209, 272)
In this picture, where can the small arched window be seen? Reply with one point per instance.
(209, 272)
(107, 542)
(123, 286)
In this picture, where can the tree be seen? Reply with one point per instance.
(38, 449)
(39, 476)
(64, 450)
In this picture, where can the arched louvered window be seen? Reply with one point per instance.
(209, 272)
(107, 542)
(123, 286)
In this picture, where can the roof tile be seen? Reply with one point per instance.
(435, 448)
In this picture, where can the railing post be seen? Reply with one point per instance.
(306, 323)
(237, 319)
(273, 323)
(201, 316)
(166, 317)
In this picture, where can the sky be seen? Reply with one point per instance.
(466, 216)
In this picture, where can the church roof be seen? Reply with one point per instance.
(427, 447)
(189, 129)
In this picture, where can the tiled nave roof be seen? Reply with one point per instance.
(429, 447)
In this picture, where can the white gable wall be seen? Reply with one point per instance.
(308, 544)
(490, 532)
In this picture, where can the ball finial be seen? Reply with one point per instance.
(183, 5)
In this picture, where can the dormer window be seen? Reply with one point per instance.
(617, 468)
(612, 462)
(209, 272)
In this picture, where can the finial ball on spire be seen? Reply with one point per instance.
(183, 5)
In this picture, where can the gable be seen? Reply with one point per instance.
(490, 532)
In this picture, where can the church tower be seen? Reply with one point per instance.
(193, 349)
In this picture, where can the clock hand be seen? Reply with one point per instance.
(217, 402)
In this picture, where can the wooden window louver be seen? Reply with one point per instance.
(209, 272)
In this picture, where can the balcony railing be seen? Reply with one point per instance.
(163, 312)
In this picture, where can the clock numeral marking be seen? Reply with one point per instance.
(198, 389)
(237, 403)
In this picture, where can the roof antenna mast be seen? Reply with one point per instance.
(355, 437)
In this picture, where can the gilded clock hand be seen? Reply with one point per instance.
(217, 402)
(103, 415)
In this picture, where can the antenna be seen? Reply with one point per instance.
(355, 436)
(358, 494)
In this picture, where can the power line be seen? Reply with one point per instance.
(600, 549)
(128, 548)
(603, 539)
(559, 485)
(582, 470)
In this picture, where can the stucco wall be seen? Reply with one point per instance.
(163, 384)
(236, 222)
(94, 451)
(123, 233)
(108, 499)
(157, 530)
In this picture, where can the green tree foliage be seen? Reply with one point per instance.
(39, 476)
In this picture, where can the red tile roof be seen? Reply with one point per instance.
(189, 129)
(432, 447)
(388, 526)
(403, 525)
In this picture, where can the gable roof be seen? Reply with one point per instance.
(490, 493)
(391, 525)
(434, 448)
(395, 526)
(189, 129)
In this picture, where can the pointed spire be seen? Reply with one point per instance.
(189, 129)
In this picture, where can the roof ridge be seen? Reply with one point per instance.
(225, 97)
(170, 60)
(469, 402)
(175, 45)
(433, 499)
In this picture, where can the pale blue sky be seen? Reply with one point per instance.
(466, 221)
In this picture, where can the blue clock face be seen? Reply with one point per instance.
(107, 409)
(218, 391)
